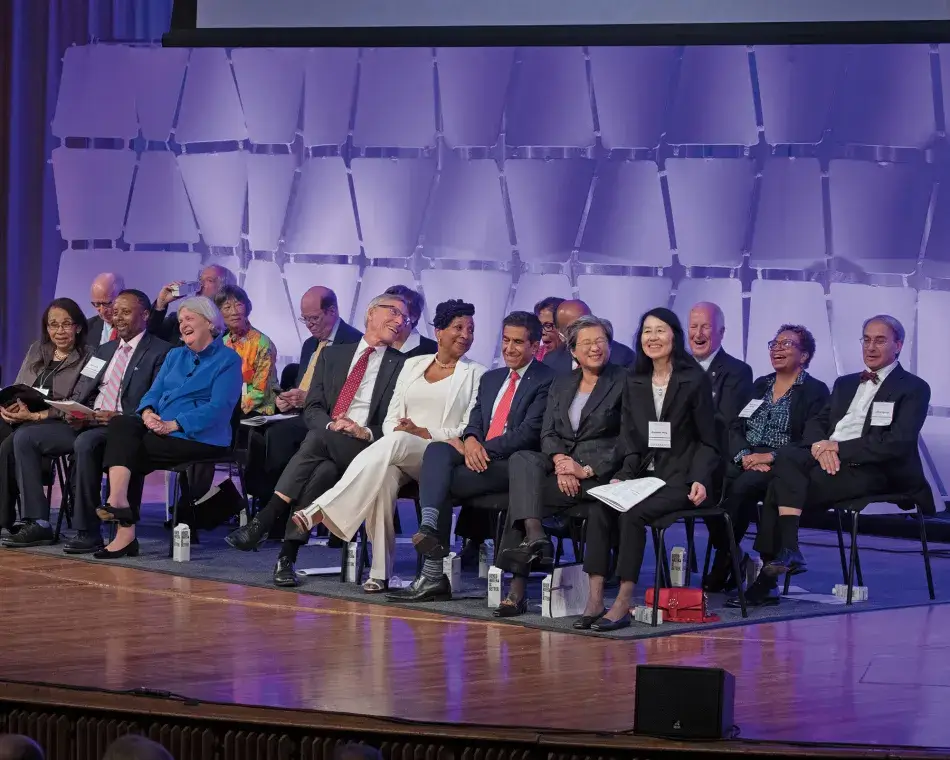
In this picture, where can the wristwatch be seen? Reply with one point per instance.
(588, 471)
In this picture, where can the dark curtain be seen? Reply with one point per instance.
(34, 36)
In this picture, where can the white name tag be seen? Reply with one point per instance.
(660, 435)
(749, 409)
(882, 413)
(93, 368)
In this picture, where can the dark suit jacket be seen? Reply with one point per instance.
(731, 381)
(94, 332)
(525, 417)
(892, 448)
(426, 347)
(597, 439)
(560, 360)
(344, 334)
(143, 368)
(693, 456)
(330, 374)
(807, 400)
(163, 325)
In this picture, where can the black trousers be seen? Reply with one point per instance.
(444, 480)
(8, 487)
(533, 493)
(270, 450)
(799, 482)
(744, 490)
(131, 445)
(605, 523)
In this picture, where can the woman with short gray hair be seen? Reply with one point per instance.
(574, 330)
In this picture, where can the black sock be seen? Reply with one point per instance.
(788, 531)
(275, 508)
(289, 549)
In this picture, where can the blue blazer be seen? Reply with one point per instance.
(527, 410)
(199, 391)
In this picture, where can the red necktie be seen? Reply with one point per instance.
(872, 376)
(351, 386)
(500, 419)
(114, 334)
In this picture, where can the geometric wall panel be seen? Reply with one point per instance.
(158, 75)
(321, 219)
(711, 202)
(375, 281)
(217, 186)
(96, 96)
(623, 300)
(160, 211)
(210, 106)
(626, 223)
(713, 98)
(937, 255)
(487, 291)
(727, 294)
(391, 80)
(270, 85)
(391, 197)
(789, 227)
(467, 216)
(852, 304)
(878, 213)
(547, 203)
(550, 101)
(802, 303)
(273, 314)
(330, 74)
(269, 180)
(936, 436)
(92, 191)
(536, 287)
(633, 88)
(342, 279)
(472, 87)
(933, 361)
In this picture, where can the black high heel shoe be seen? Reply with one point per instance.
(130, 550)
(510, 608)
(541, 550)
(586, 621)
(108, 513)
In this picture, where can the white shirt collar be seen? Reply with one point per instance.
(134, 343)
(707, 362)
(883, 373)
(520, 372)
(411, 343)
(363, 345)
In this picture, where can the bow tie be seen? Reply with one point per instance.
(872, 376)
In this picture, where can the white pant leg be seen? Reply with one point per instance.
(380, 519)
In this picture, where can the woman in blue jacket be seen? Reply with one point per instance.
(186, 415)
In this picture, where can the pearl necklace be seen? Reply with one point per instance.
(59, 356)
(444, 366)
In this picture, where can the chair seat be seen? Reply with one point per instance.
(492, 501)
(682, 514)
(903, 500)
(409, 491)
(223, 459)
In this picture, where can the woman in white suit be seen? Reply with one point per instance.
(431, 402)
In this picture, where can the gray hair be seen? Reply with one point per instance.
(203, 306)
(572, 331)
(223, 272)
(380, 300)
(893, 322)
(717, 314)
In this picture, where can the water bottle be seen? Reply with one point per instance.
(678, 566)
(182, 543)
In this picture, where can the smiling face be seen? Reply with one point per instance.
(456, 339)
(384, 322)
(195, 329)
(656, 338)
(704, 332)
(61, 328)
(785, 352)
(102, 295)
(550, 337)
(879, 346)
(129, 317)
(592, 350)
(516, 346)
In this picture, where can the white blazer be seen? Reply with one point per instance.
(463, 393)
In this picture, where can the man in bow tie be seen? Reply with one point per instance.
(863, 442)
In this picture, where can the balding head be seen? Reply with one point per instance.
(705, 329)
(319, 310)
(17, 747)
(568, 313)
(104, 289)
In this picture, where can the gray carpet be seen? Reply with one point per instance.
(893, 571)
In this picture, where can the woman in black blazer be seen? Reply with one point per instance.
(781, 405)
(579, 450)
(669, 432)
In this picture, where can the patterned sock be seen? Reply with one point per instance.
(430, 518)
(432, 569)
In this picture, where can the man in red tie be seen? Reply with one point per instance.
(506, 418)
(864, 442)
(102, 294)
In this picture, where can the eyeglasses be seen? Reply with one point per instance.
(231, 307)
(310, 321)
(57, 326)
(587, 345)
(547, 326)
(775, 345)
(395, 312)
(879, 342)
(101, 304)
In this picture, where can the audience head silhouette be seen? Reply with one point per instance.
(356, 752)
(17, 747)
(135, 747)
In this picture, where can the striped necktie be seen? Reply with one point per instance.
(108, 400)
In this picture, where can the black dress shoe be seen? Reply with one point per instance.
(426, 542)
(790, 561)
(470, 555)
(541, 550)
(248, 538)
(586, 621)
(511, 608)
(720, 574)
(108, 513)
(85, 542)
(762, 593)
(129, 550)
(423, 589)
(604, 625)
(284, 573)
(31, 534)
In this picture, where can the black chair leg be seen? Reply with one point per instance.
(344, 558)
(692, 566)
(499, 532)
(857, 552)
(706, 562)
(658, 548)
(926, 553)
(734, 555)
(362, 561)
(180, 490)
(788, 583)
(841, 553)
(854, 555)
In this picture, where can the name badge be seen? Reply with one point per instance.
(660, 435)
(93, 368)
(749, 409)
(43, 391)
(882, 413)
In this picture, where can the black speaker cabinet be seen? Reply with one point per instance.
(684, 703)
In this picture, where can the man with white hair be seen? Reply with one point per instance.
(103, 292)
(211, 279)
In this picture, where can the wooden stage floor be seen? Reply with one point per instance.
(873, 678)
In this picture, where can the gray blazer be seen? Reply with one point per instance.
(40, 355)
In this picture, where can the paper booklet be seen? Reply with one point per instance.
(626, 494)
(266, 419)
(72, 407)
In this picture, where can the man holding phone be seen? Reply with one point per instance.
(210, 281)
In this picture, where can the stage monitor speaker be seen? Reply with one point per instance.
(684, 702)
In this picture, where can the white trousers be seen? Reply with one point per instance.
(367, 493)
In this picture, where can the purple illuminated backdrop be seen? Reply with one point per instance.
(792, 184)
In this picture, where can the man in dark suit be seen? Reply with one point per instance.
(112, 382)
(506, 418)
(410, 342)
(560, 359)
(865, 441)
(367, 371)
(211, 279)
(105, 288)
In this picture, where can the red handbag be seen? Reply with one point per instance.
(683, 605)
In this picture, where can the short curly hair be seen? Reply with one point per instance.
(446, 311)
(806, 341)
